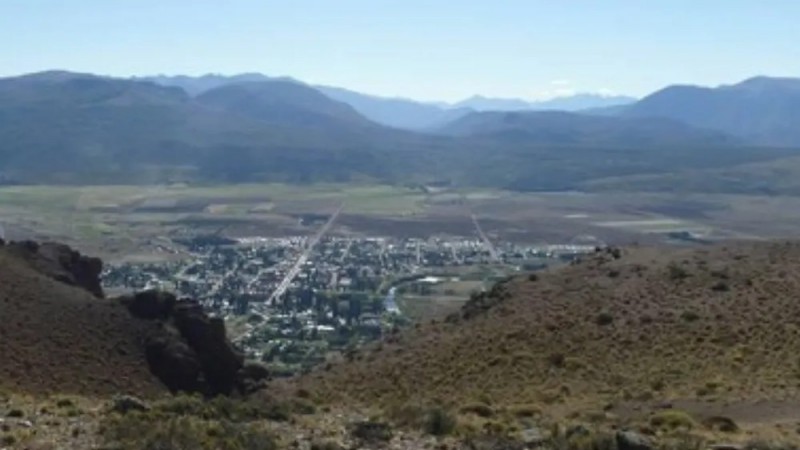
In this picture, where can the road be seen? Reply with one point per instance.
(486, 242)
(298, 265)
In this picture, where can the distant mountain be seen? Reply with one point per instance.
(396, 112)
(551, 127)
(575, 102)
(197, 85)
(282, 102)
(760, 110)
(60, 127)
(481, 103)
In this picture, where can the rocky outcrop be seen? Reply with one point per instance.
(62, 263)
(150, 304)
(206, 336)
(188, 350)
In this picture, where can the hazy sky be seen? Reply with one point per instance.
(434, 49)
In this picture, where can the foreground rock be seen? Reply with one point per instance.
(187, 350)
(60, 262)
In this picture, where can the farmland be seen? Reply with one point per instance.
(140, 222)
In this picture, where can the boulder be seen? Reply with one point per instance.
(150, 304)
(630, 440)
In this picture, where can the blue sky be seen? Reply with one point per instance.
(431, 50)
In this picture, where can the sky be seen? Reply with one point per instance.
(427, 50)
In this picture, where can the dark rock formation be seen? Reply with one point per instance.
(189, 351)
(60, 262)
(150, 304)
(174, 362)
(206, 336)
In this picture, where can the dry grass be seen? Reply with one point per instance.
(663, 327)
(59, 339)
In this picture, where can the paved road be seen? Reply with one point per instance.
(486, 242)
(298, 265)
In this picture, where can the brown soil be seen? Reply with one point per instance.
(55, 338)
(715, 324)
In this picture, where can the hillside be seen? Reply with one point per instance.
(60, 335)
(64, 127)
(58, 338)
(571, 129)
(711, 329)
(282, 102)
(760, 110)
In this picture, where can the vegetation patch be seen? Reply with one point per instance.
(672, 419)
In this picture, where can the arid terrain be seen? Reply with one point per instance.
(614, 338)
(671, 348)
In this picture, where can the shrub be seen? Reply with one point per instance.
(372, 431)
(326, 445)
(672, 419)
(721, 423)
(479, 409)
(8, 440)
(677, 272)
(604, 318)
(148, 431)
(225, 408)
(525, 411)
(720, 287)
(690, 316)
(440, 422)
(64, 403)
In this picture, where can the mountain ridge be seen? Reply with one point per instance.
(761, 110)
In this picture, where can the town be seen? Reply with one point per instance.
(295, 302)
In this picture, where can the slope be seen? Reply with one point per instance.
(572, 129)
(282, 102)
(58, 338)
(653, 326)
(64, 127)
(761, 110)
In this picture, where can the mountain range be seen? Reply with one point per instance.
(761, 109)
(400, 112)
(81, 128)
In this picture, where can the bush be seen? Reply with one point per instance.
(721, 287)
(225, 408)
(604, 318)
(147, 431)
(677, 272)
(690, 316)
(439, 422)
(479, 409)
(672, 419)
(721, 423)
(371, 431)
(525, 411)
